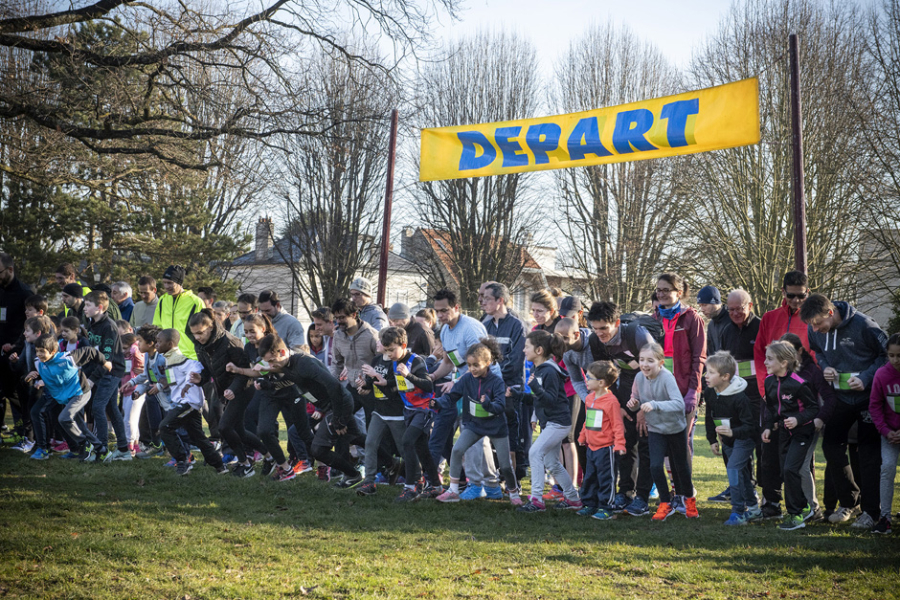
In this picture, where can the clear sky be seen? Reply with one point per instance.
(676, 27)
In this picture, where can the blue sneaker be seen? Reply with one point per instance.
(381, 479)
(473, 492)
(587, 511)
(619, 503)
(602, 515)
(40, 454)
(736, 519)
(637, 508)
(171, 463)
(69, 455)
(227, 459)
(493, 493)
(654, 493)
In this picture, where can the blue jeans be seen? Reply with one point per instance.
(106, 394)
(739, 469)
(442, 431)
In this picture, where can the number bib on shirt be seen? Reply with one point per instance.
(843, 381)
(310, 398)
(128, 366)
(893, 401)
(746, 368)
(477, 410)
(593, 419)
(402, 384)
(378, 393)
(669, 364)
(455, 358)
(722, 423)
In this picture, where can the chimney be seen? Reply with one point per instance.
(264, 235)
(406, 242)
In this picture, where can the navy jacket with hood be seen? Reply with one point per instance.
(857, 345)
(548, 394)
(470, 390)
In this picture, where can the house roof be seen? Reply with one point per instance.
(441, 246)
(281, 252)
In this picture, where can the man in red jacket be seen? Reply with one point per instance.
(774, 324)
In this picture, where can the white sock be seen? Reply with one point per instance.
(454, 488)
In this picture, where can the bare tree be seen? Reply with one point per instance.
(482, 224)
(741, 207)
(620, 219)
(334, 183)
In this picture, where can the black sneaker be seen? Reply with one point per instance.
(394, 472)
(883, 526)
(243, 470)
(366, 489)
(771, 511)
(721, 497)
(348, 482)
(407, 495)
(267, 467)
(183, 468)
(222, 470)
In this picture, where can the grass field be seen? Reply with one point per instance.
(135, 530)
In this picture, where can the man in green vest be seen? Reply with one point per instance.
(176, 307)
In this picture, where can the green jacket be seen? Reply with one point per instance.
(173, 312)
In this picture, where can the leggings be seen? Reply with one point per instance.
(675, 446)
(544, 455)
(131, 405)
(468, 438)
(231, 427)
(415, 447)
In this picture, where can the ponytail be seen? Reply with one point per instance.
(550, 344)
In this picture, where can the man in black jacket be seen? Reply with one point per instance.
(104, 335)
(13, 294)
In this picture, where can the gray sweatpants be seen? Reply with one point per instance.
(889, 455)
(70, 420)
(808, 483)
(479, 463)
(467, 440)
(377, 428)
(544, 454)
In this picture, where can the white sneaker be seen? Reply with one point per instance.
(120, 455)
(843, 514)
(864, 521)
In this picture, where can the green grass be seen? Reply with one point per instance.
(135, 530)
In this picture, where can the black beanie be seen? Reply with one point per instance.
(175, 273)
(74, 289)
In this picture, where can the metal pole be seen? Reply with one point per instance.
(799, 195)
(388, 198)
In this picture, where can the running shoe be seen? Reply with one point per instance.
(664, 511)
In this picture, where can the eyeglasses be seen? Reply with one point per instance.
(245, 313)
(796, 296)
(665, 291)
(736, 309)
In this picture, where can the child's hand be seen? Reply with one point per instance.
(231, 368)
(530, 379)
(228, 395)
(194, 378)
(715, 448)
(894, 437)
(633, 404)
(14, 357)
(154, 389)
(484, 400)
(108, 366)
(402, 370)
(726, 431)
(765, 436)
(621, 452)
(256, 384)
(819, 423)
(645, 408)
(343, 376)
(316, 415)
(38, 384)
(509, 392)
(32, 376)
(790, 422)
(369, 370)
(446, 387)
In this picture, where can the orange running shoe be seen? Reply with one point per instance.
(690, 504)
(662, 513)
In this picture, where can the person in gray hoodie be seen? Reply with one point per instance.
(849, 347)
(369, 312)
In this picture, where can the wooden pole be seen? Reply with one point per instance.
(388, 199)
(799, 195)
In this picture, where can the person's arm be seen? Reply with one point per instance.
(810, 405)
(576, 375)
(875, 340)
(514, 366)
(86, 355)
(444, 369)
(877, 400)
(709, 423)
(697, 335)
(747, 429)
(337, 364)
(494, 400)
(759, 354)
(237, 356)
(418, 376)
(548, 392)
(618, 426)
(137, 362)
(826, 392)
(675, 402)
(821, 359)
(769, 413)
(296, 337)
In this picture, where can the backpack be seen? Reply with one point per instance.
(628, 324)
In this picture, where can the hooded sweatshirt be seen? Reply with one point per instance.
(483, 417)
(855, 347)
(154, 373)
(354, 351)
(772, 326)
(178, 372)
(884, 404)
(623, 348)
(662, 393)
(740, 341)
(319, 387)
(104, 335)
(374, 315)
(733, 404)
(61, 375)
(713, 329)
(548, 394)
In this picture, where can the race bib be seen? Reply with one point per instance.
(402, 384)
(593, 419)
(722, 423)
(309, 397)
(2, 314)
(378, 392)
(669, 364)
(455, 358)
(477, 410)
(892, 402)
(128, 365)
(843, 381)
(746, 368)
(626, 366)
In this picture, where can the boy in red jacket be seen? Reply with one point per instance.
(604, 435)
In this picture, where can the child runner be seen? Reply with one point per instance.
(58, 373)
(484, 414)
(554, 415)
(729, 415)
(71, 334)
(792, 407)
(604, 435)
(132, 402)
(657, 395)
(152, 384)
(885, 410)
(187, 401)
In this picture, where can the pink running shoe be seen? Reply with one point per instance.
(448, 496)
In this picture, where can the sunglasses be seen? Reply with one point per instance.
(796, 296)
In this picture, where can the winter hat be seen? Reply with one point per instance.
(174, 273)
(398, 311)
(709, 295)
(570, 306)
(102, 287)
(73, 289)
(362, 285)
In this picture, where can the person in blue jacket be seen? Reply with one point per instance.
(484, 415)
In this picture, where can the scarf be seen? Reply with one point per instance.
(670, 313)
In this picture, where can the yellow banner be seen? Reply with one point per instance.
(720, 117)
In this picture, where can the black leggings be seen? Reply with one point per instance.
(231, 426)
(675, 446)
(415, 448)
(294, 411)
